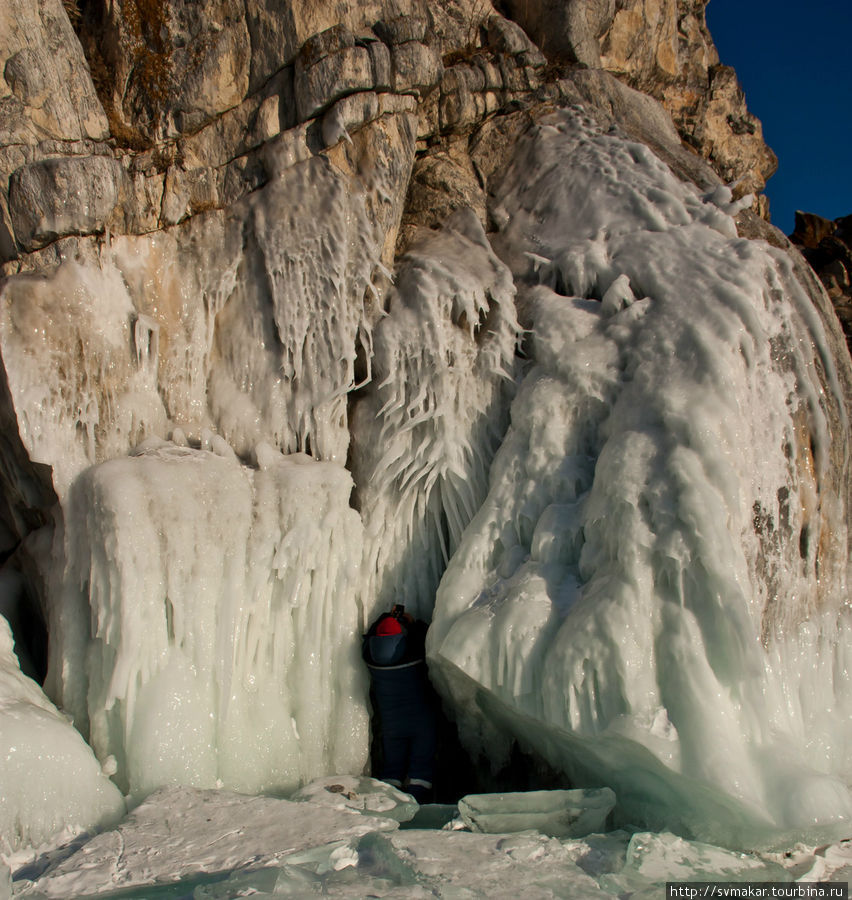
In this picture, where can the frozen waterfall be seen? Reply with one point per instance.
(600, 447)
(653, 594)
(427, 429)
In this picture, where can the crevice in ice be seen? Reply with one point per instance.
(29, 630)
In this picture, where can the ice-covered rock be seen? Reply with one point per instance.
(212, 272)
(562, 814)
(652, 595)
(246, 323)
(49, 779)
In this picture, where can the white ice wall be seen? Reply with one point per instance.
(653, 593)
(208, 629)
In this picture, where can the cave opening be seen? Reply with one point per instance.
(29, 630)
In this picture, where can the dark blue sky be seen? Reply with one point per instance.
(794, 61)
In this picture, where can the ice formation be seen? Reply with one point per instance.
(49, 779)
(652, 595)
(646, 585)
(426, 431)
(561, 814)
(246, 323)
(208, 629)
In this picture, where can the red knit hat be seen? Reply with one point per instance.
(388, 626)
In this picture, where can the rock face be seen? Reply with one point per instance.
(827, 246)
(663, 48)
(243, 231)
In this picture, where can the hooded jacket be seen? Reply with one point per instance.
(397, 664)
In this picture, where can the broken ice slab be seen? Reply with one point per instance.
(562, 814)
(464, 866)
(653, 859)
(364, 795)
(433, 815)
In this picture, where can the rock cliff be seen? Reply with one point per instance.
(827, 246)
(246, 230)
(152, 121)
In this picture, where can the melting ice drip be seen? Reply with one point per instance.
(652, 595)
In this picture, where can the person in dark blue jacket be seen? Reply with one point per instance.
(395, 652)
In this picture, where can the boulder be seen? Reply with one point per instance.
(319, 82)
(566, 31)
(416, 67)
(166, 68)
(827, 246)
(62, 196)
(279, 28)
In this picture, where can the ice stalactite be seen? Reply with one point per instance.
(286, 341)
(209, 619)
(652, 595)
(426, 431)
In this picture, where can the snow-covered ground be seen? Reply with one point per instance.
(344, 840)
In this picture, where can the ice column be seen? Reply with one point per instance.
(209, 627)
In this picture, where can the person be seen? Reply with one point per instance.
(394, 650)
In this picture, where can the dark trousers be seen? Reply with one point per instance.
(409, 751)
(406, 720)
